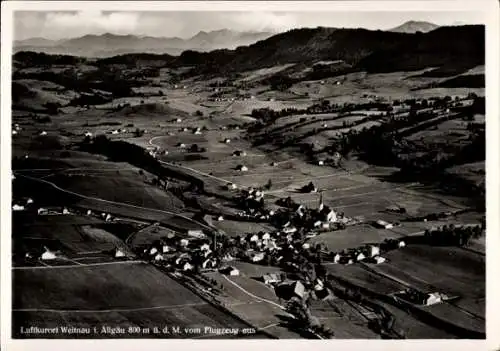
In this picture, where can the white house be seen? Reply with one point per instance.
(230, 271)
(119, 253)
(289, 230)
(384, 224)
(114, 132)
(325, 125)
(65, 211)
(401, 244)
(88, 134)
(181, 145)
(48, 255)
(108, 217)
(187, 267)
(380, 259)
(17, 207)
(231, 186)
(184, 242)
(306, 246)
(42, 211)
(184, 129)
(153, 251)
(433, 298)
(360, 257)
(43, 133)
(321, 163)
(205, 247)
(336, 258)
(266, 236)
(159, 257)
(165, 248)
(257, 257)
(325, 225)
(14, 132)
(374, 250)
(89, 212)
(220, 218)
(178, 120)
(254, 238)
(29, 201)
(227, 140)
(319, 285)
(271, 278)
(242, 168)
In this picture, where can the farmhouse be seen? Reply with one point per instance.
(196, 233)
(257, 256)
(287, 290)
(242, 168)
(17, 207)
(227, 140)
(88, 134)
(230, 271)
(271, 278)
(383, 224)
(119, 253)
(231, 186)
(184, 242)
(401, 244)
(321, 163)
(48, 255)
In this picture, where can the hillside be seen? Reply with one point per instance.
(374, 51)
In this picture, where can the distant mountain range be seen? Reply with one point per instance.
(107, 45)
(414, 27)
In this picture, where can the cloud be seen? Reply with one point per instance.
(92, 22)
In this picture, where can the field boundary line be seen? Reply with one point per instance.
(109, 310)
(78, 265)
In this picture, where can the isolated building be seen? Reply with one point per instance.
(271, 278)
(242, 168)
(43, 133)
(119, 253)
(17, 207)
(383, 224)
(48, 255)
(401, 244)
(230, 271)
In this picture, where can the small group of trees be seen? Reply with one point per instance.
(452, 235)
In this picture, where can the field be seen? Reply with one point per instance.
(126, 294)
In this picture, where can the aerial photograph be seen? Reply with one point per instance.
(248, 175)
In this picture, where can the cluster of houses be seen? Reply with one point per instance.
(420, 298)
(190, 253)
(367, 253)
(22, 204)
(16, 129)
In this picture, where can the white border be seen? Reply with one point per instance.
(490, 10)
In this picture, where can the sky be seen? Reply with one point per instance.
(61, 25)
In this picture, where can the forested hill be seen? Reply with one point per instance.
(375, 51)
